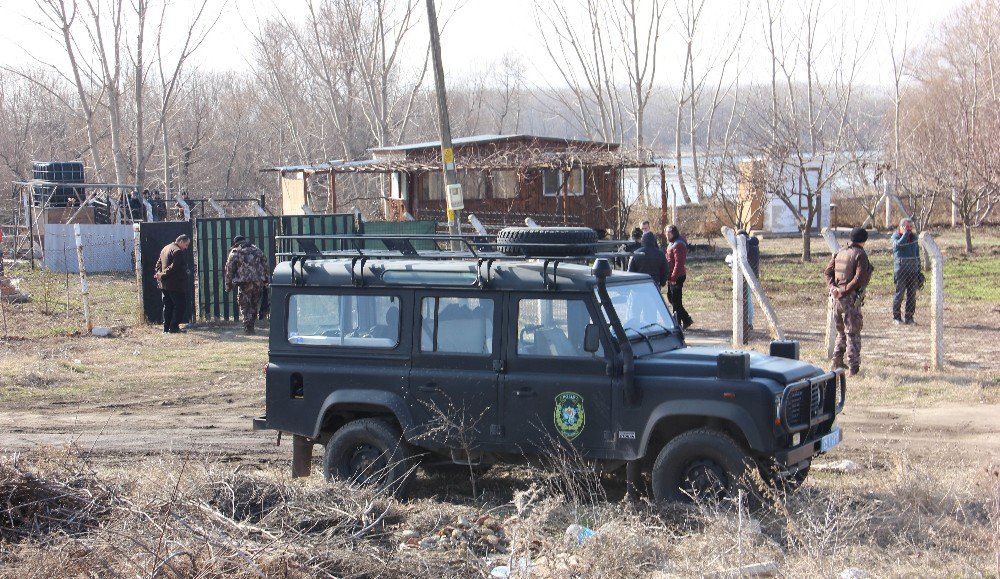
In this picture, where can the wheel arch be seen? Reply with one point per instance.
(342, 406)
(673, 418)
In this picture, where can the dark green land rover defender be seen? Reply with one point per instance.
(372, 351)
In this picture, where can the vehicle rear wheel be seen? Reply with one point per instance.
(547, 241)
(370, 452)
(700, 465)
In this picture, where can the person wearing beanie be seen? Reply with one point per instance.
(847, 276)
(649, 259)
(246, 270)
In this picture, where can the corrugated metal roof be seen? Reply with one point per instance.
(477, 139)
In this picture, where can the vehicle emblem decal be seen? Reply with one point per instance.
(569, 415)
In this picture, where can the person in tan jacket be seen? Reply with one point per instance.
(847, 276)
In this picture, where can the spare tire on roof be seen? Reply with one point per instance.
(547, 241)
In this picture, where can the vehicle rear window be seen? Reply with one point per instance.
(456, 325)
(353, 321)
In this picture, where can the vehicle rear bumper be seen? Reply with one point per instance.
(260, 423)
(810, 448)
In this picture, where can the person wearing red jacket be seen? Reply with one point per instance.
(676, 274)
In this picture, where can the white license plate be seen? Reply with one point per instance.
(830, 440)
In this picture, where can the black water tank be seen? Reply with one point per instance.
(58, 172)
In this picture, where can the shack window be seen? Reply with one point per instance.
(357, 321)
(431, 186)
(457, 325)
(473, 184)
(504, 184)
(553, 180)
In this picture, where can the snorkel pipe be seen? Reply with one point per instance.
(602, 270)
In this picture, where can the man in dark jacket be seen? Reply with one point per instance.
(246, 270)
(847, 276)
(676, 274)
(172, 271)
(905, 271)
(649, 259)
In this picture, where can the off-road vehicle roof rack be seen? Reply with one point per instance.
(485, 249)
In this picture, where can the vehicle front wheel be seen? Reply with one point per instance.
(700, 465)
(370, 452)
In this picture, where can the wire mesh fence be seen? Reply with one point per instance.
(799, 295)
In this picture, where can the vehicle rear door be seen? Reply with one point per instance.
(453, 389)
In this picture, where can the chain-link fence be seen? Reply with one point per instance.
(52, 297)
(970, 307)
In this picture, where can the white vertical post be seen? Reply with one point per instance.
(755, 287)
(140, 311)
(888, 204)
(739, 255)
(477, 224)
(218, 208)
(937, 300)
(84, 289)
(954, 208)
(831, 312)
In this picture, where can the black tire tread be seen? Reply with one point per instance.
(683, 438)
(384, 432)
(564, 240)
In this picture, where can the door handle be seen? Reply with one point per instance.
(524, 392)
(429, 387)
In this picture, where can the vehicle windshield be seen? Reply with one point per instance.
(641, 309)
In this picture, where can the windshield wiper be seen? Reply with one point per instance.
(665, 329)
(641, 335)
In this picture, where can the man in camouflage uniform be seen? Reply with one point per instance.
(847, 276)
(246, 269)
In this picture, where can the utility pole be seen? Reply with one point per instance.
(453, 190)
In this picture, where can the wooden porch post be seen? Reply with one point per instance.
(331, 202)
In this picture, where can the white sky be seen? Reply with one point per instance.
(481, 32)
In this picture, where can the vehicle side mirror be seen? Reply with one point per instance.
(591, 338)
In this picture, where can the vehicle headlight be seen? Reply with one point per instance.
(796, 439)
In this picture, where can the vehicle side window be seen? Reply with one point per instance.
(358, 321)
(456, 325)
(553, 328)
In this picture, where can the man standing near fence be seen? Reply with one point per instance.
(847, 276)
(172, 271)
(246, 270)
(906, 274)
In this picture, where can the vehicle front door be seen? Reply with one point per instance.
(553, 389)
(454, 372)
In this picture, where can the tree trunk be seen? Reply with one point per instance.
(968, 236)
(806, 243)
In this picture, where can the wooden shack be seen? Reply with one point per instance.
(504, 178)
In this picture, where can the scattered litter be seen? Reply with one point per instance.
(842, 466)
(853, 573)
(102, 332)
(503, 571)
(578, 534)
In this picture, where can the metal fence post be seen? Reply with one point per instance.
(831, 312)
(84, 289)
(738, 291)
(937, 300)
(140, 312)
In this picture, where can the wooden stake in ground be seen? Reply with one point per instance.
(937, 300)
(755, 287)
(84, 289)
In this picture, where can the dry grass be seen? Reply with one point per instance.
(182, 517)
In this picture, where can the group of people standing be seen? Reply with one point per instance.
(246, 273)
(847, 276)
(667, 267)
(134, 204)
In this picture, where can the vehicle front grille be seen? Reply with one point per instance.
(811, 402)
